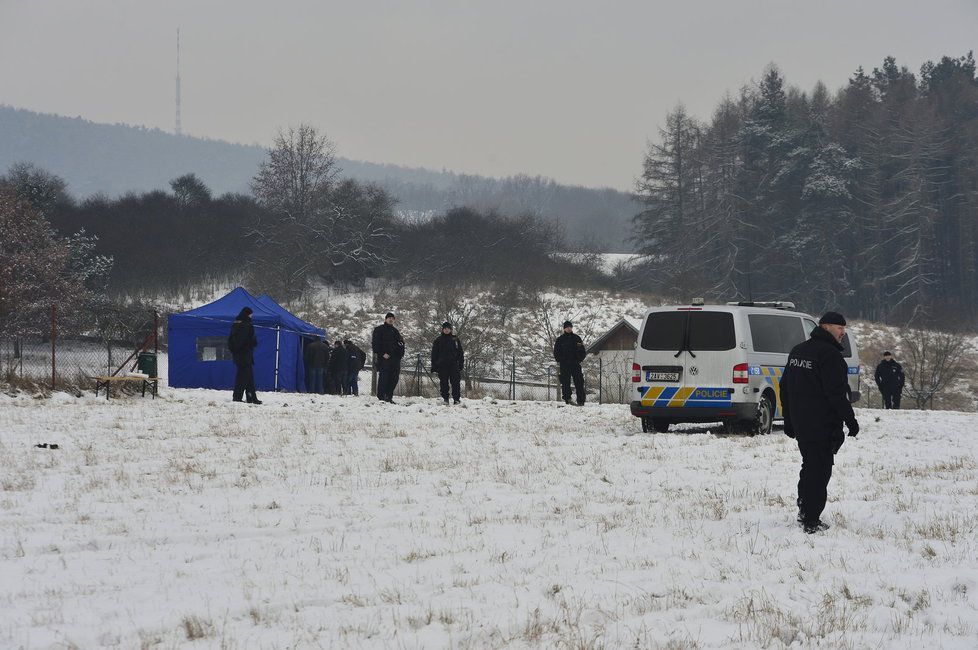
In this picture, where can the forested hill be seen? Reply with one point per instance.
(864, 200)
(116, 158)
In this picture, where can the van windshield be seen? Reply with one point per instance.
(708, 331)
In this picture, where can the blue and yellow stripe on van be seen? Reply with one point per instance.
(687, 396)
(772, 376)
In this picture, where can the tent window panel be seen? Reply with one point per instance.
(213, 348)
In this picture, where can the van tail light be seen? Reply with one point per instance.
(636, 373)
(741, 373)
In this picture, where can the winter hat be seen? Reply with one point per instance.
(567, 324)
(446, 324)
(390, 314)
(245, 312)
(832, 318)
(887, 354)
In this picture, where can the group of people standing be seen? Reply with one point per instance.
(447, 359)
(333, 369)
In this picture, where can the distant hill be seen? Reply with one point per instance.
(117, 158)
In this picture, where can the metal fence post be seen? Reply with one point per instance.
(512, 379)
(600, 380)
(54, 337)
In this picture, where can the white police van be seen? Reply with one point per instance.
(719, 363)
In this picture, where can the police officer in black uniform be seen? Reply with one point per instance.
(889, 379)
(815, 404)
(448, 359)
(242, 343)
(388, 348)
(569, 353)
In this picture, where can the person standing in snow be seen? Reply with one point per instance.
(338, 362)
(889, 379)
(388, 348)
(447, 359)
(569, 353)
(317, 360)
(242, 343)
(815, 404)
(357, 360)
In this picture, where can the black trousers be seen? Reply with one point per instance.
(568, 372)
(388, 373)
(337, 380)
(817, 459)
(450, 376)
(244, 382)
(891, 398)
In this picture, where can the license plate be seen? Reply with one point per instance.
(661, 376)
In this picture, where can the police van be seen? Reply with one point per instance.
(720, 363)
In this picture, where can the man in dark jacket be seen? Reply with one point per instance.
(242, 343)
(447, 359)
(338, 362)
(317, 360)
(890, 379)
(815, 403)
(388, 348)
(569, 353)
(357, 360)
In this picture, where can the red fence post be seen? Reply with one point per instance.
(54, 337)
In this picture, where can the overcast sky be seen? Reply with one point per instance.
(570, 89)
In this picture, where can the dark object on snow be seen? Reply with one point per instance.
(815, 404)
(44, 445)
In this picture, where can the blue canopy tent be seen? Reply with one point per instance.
(198, 354)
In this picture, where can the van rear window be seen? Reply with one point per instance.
(711, 331)
(664, 330)
(708, 331)
(779, 334)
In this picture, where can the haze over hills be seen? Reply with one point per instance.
(117, 158)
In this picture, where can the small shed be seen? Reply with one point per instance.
(615, 350)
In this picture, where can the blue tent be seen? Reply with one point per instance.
(198, 354)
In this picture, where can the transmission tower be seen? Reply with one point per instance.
(178, 129)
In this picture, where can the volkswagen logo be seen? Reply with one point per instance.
(693, 370)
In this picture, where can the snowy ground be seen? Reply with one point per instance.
(342, 522)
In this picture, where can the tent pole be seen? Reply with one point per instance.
(278, 335)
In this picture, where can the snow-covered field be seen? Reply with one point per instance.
(342, 522)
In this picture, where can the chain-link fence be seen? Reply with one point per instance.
(63, 353)
(604, 383)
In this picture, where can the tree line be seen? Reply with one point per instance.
(302, 224)
(865, 200)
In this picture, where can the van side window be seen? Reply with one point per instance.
(776, 334)
(846, 346)
(664, 330)
(711, 331)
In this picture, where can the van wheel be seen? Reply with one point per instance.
(763, 423)
(660, 425)
(646, 424)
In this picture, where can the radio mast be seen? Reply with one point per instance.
(178, 129)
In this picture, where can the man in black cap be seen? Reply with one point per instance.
(242, 343)
(388, 349)
(447, 359)
(889, 379)
(815, 403)
(569, 353)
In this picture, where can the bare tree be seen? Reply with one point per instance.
(312, 225)
(935, 360)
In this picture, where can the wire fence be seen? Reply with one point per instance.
(604, 383)
(63, 354)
